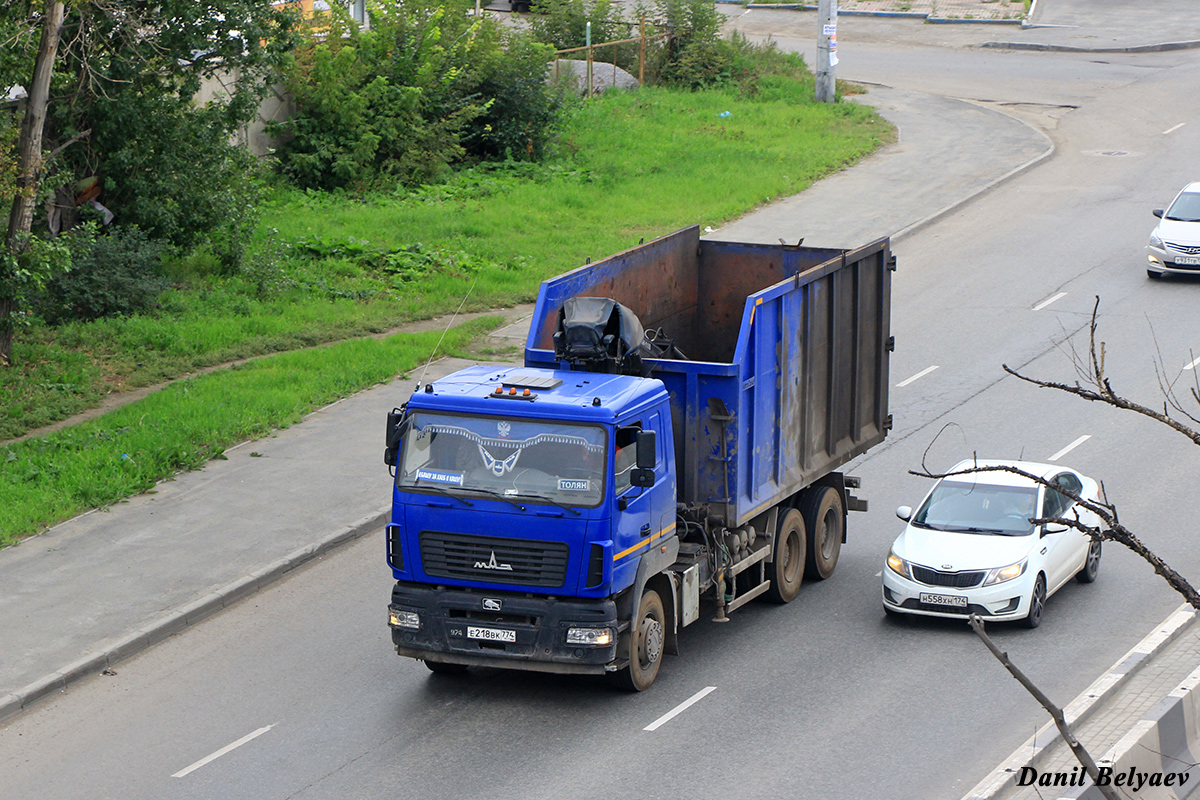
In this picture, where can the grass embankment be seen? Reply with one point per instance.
(330, 267)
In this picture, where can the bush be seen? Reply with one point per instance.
(426, 87)
(118, 273)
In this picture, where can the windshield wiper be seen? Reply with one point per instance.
(956, 529)
(553, 502)
(438, 490)
(498, 496)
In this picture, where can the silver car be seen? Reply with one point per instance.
(1175, 242)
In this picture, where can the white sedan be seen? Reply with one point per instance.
(971, 548)
(1175, 242)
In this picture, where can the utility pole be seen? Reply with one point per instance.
(826, 50)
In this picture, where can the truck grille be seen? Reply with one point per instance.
(958, 580)
(494, 560)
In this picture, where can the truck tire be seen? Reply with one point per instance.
(825, 520)
(442, 668)
(647, 632)
(787, 569)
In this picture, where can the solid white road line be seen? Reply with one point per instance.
(1070, 447)
(1047, 302)
(679, 709)
(1193, 364)
(920, 374)
(222, 751)
(1172, 130)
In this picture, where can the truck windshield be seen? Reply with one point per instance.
(536, 461)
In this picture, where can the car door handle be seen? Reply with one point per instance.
(1043, 551)
(646, 530)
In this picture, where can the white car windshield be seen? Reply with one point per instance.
(1186, 208)
(514, 459)
(970, 507)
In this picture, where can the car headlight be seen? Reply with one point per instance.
(1156, 240)
(1002, 574)
(898, 565)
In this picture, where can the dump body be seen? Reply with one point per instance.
(787, 357)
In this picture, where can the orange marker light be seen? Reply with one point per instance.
(527, 393)
(512, 391)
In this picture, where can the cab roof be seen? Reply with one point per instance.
(561, 394)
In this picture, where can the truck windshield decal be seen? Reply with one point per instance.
(557, 462)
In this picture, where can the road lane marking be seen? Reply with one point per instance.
(222, 751)
(1193, 364)
(1172, 130)
(679, 709)
(1047, 302)
(920, 374)
(1070, 447)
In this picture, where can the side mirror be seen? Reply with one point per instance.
(642, 477)
(647, 447)
(391, 453)
(904, 513)
(1053, 527)
(1158, 212)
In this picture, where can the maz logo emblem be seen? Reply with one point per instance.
(492, 604)
(493, 564)
(497, 466)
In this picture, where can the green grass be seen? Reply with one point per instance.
(329, 267)
(97, 463)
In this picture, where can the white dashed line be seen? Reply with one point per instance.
(1070, 447)
(1192, 365)
(222, 751)
(1048, 301)
(1172, 130)
(679, 709)
(920, 374)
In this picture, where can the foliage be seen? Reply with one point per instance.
(127, 74)
(563, 23)
(119, 273)
(426, 86)
(699, 56)
(24, 273)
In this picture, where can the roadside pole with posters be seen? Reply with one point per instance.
(827, 50)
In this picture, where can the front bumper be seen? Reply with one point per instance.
(999, 602)
(1160, 259)
(538, 624)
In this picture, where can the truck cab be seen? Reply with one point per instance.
(523, 501)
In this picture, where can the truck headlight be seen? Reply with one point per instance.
(898, 565)
(596, 637)
(398, 618)
(1002, 574)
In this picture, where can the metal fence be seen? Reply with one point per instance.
(640, 40)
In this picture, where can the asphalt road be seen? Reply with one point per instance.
(823, 698)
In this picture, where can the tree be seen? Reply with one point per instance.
(111, 93)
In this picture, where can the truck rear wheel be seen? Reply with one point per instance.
(786, 571)
(825, 520)
(647, 632)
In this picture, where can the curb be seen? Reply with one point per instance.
(946, 211)
(1034, 750)
(183, 617)
(930, 18)
(1066, 48)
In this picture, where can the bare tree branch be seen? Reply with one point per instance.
(1068, 735)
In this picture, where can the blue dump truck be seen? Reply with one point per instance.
(670, 448)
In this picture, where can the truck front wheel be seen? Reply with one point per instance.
(647, 632)
(826, 520)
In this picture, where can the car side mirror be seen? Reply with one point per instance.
(642, 477)
(1053, 527)
(1158, 212)
(904, 513)
(647, 446)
